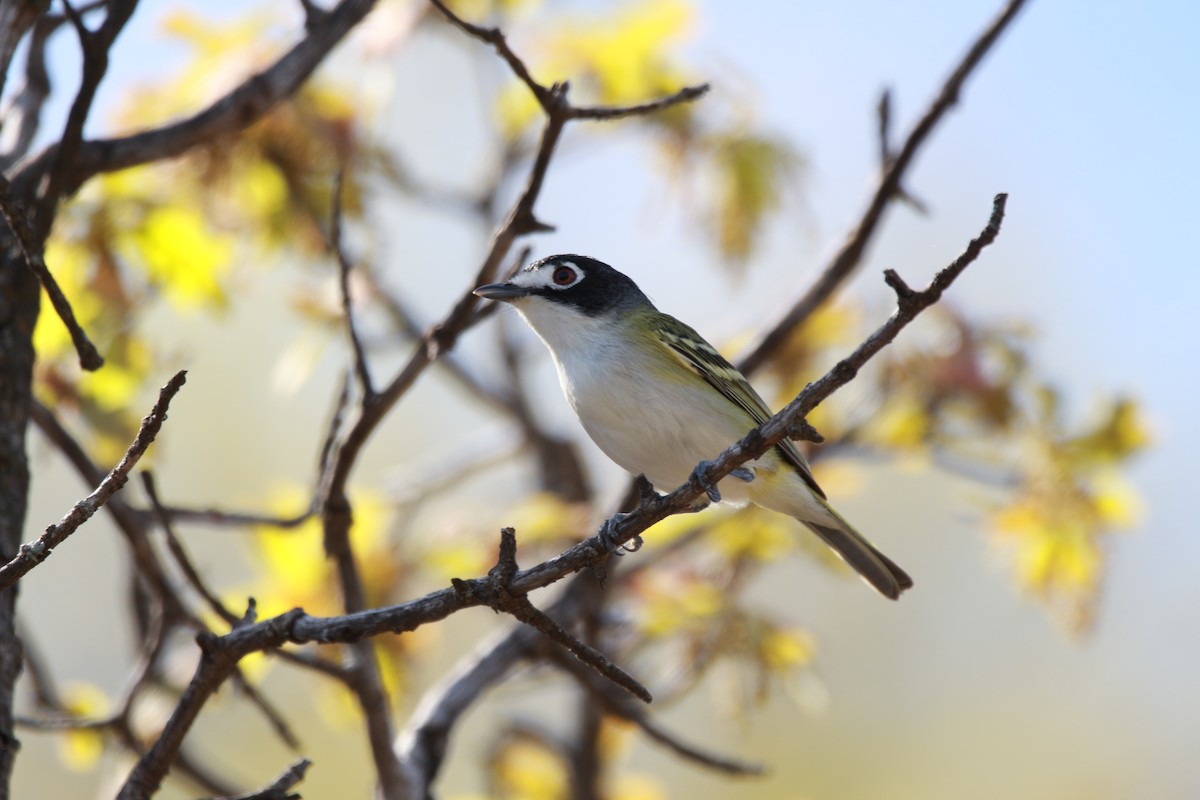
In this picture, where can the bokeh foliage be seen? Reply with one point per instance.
(183, 234)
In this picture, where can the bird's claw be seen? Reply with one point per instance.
(743, 473)
(708, 486)
(611, 538)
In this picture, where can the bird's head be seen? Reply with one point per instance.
(574, 284)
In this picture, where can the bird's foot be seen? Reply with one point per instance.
(743, 473)
(714, 495)
(710, 488)
(612, 540)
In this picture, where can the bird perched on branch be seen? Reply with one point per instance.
(659, 400)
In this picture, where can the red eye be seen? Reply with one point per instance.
(563, 276)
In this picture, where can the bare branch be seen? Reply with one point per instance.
(31, 251)
(884, 117)
(684, 95)
(851, 252)
(120, 725)
(221, 654)
(218, 516)
(22, 115)
(179, 553)
(335, 244)
(15, 19)
(34, 553)
(498, 597)
(619, 705)
(282, 787)
(215, 667)
(421, 746)
(765, 436)
(94, 45)
(465, 314)
(233, 112)
(497, 40)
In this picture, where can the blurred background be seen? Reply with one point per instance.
(997, 676)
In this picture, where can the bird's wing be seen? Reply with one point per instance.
(702, 358)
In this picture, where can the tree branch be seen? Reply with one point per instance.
(34, 553)
(619, 705)
(235, 111)
(28, 242)
(94, 47)
(281, 788)
(344, 268)
(851, 252)
(765, 436)
(498, 597)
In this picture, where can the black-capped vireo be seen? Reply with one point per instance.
(658, 399)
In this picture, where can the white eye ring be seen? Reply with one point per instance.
(564, 276)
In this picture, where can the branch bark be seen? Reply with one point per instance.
(34, 553)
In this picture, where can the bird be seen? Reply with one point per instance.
(659, 400)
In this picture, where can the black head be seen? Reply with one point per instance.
(591, 286)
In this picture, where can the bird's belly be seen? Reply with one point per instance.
(655, 431)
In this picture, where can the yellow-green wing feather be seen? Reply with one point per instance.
(702, 358)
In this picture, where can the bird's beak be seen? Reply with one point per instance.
(501, 291)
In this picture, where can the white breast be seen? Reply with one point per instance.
(659, 428)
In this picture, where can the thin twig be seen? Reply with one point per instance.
(884, 117)
(684, 95)
(119, 724)
(31, 251)
(273, 716)
(618, 704)
(44, 691)
(333, 432)
(233, 112)
(335, 244)
(281, 788)
(179, 553)
(849, 256)
(223, 518)
(34, 553)
(23, 112)
(95, 46)
(498, 597)
(495, 37)
(909, 304)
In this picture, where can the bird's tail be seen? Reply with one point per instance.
(875, 568)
